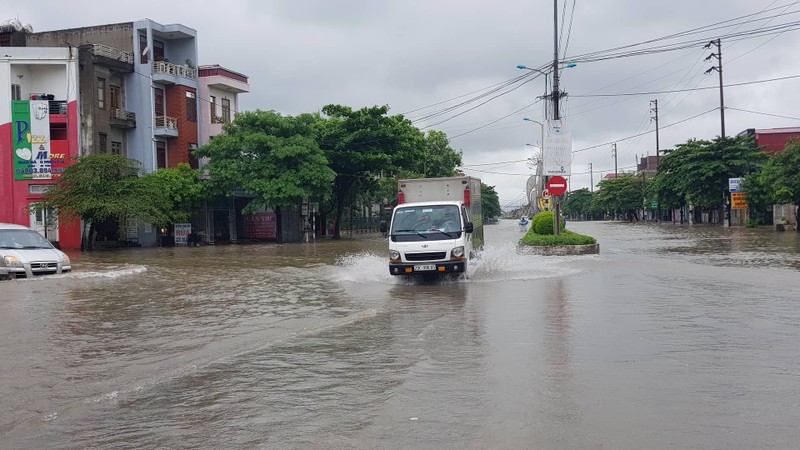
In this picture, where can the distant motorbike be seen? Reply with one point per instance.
(523, 224)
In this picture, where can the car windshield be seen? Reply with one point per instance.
(436, 222)
(23, 239)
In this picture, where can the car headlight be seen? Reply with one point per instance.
(394, 254)
(12, 261)
(65, 260)
(458, 252)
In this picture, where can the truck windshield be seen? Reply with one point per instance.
(419, 223)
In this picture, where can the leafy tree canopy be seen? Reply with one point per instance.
(100, 187)
(274, 157)
(490, 201)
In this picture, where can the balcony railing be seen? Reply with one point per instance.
(121, 114)
(113, 53)
(167, 122)
(174, 69)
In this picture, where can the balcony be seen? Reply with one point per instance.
(169, 73)
(166, 126)
(122, 119)
(111, 57)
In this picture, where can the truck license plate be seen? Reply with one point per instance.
(423, 267)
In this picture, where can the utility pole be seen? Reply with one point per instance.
(556, 115)
(718, 68)
(718, 43)
(591, 178)
(614, 150)
(654, 110)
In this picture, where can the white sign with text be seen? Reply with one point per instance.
(557, 149)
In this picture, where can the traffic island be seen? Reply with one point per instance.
(540, 240)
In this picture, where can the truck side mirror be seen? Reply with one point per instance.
(468, 227)
(383, 227)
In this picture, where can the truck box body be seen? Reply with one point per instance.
(436, 227)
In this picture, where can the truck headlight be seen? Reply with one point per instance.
(12, 261)
(458, 252)
(394, 254)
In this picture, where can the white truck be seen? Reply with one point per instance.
(436, 227)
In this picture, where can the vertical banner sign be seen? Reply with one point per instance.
(31, 139)
(557, 149)
(21, 139)
(40, 139)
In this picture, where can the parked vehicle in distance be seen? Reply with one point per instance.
(437, 226)
(26, 253)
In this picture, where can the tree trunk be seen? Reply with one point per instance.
(337, 221)
(90, 244)
(83, 238)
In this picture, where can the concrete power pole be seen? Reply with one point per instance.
(654, 110)
(591, 178)
(614, 150)
(718, 43)
(556, 115)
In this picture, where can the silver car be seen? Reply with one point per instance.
(25, 253)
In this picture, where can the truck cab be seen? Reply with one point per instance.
(439, 235)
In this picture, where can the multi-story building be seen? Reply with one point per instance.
(137, 93)
(138, 88)
(39, 132)
(221, 219)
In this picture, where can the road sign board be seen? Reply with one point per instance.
(738, 200)
(735, 184)
(557, 185)
(546, 194)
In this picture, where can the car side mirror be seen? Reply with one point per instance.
(383, 227)
(468, 227)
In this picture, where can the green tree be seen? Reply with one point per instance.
(490, 201)
(362, 146)
(273, 157)
(780, 177)
(622, 195)
(97, 188)
(580, 203)
(173, 193)
(697, 172)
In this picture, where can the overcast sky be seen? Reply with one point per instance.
(409, 54)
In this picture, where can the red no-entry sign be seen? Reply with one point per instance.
(557, 185)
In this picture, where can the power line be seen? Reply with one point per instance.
(763, 113)
(745, 83)
(646, 132)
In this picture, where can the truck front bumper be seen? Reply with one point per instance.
(427, 268)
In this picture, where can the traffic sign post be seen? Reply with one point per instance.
(557, 186)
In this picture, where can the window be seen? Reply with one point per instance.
(158, 50)
(159, 101)
(212, 107)
(116, 148)
(16, 92)
(102, 143)
(191, 107)
(161, 155)
(226, 110)
(114, 97)
(101, 93)
(5, 39)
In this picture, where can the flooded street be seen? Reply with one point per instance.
(672, 337)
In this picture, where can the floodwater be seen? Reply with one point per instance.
(671, 337)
